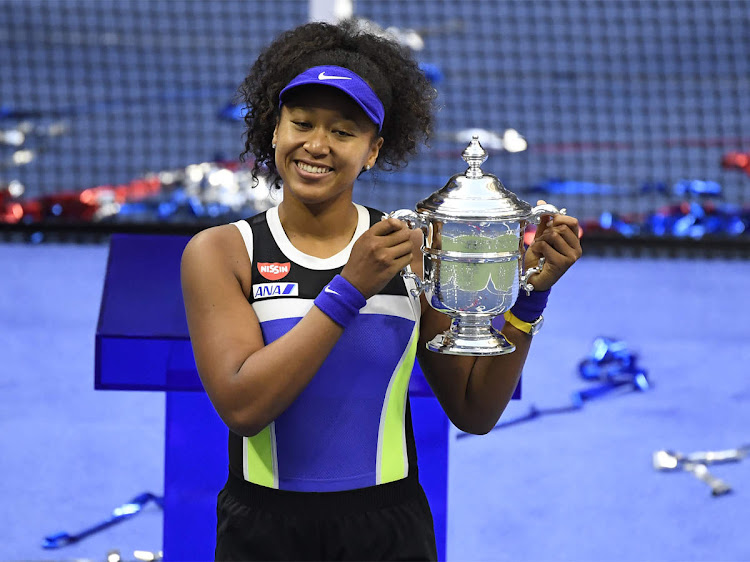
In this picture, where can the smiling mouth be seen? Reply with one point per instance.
(313, 169)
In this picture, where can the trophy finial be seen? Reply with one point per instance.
(474, 155)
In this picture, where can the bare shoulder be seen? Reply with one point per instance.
(224, 330)
(218, 249)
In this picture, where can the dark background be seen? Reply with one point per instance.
(632, 96)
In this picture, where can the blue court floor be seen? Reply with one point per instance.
(568, 487)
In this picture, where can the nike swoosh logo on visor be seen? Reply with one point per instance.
(322, 76)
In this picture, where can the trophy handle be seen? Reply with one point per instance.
(524, 281)
(412, 220)
(417, 281)
(546, 209)
(536, 216)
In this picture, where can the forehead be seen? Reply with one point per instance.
(329, 99)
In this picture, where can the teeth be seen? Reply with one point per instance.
(312, 169)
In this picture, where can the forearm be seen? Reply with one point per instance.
(272, 377)
(492, 382)
(473, 391)
(494, 379)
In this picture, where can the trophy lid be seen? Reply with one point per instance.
(474, 194)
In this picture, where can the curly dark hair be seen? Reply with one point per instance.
(389, 69)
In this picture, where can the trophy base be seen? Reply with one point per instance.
(481, 341)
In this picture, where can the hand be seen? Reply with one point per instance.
(557, 240)
(379, 254)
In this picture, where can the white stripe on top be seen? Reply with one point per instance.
(247, 236)
(277, 308)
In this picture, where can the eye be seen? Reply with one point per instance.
(302, 124)
(342, 133)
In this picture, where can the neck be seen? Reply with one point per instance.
(319, 229)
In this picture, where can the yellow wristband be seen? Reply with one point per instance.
(525, 327)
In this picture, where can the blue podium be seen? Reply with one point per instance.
(142, 343)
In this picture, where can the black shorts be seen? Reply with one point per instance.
(386, 522)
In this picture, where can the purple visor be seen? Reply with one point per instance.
(348, 82)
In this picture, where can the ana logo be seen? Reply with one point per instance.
(274, 271)
(265, 290)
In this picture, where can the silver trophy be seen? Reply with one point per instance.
(473, 255)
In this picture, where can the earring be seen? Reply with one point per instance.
(367, 167)
(273, 146)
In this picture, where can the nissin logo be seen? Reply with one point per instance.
(274, 271)
(264, 290)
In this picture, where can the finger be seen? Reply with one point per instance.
(417, 236)
(417, 240)
(554, 260)
(563, 223)
(402, 250)
(534, 248)
(399, 266)
(389, 259)
(557, 242)
(544, 221)
(387, 226)
(396, 237)
(570, 222)
(401, 256)
(570, 238)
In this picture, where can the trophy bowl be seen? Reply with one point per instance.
(473, 255)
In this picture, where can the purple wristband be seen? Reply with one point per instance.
(340, 301)
(530, 307)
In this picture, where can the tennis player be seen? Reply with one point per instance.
(305, 334)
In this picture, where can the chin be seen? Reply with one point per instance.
(307, 196)
(310, 194)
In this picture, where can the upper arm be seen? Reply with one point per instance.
(224, 330)
(447, 375)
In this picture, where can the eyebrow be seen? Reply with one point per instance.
(344, 116)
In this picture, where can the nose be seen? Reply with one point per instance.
(316, 143)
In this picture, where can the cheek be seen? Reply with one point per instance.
(279, 158)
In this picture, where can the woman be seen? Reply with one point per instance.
(303, 332)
